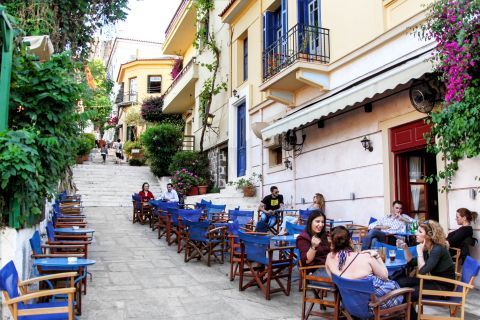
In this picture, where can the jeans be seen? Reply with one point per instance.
(265, 222)
(373, 233)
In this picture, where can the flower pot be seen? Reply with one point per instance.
(85, 157)
(202, 189)
(79, 160)
(249, 191)
(193, 191)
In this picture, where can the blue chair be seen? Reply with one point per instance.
(304, 214)
(234, 243)
(359, 300)
(39, 250)
(62, 240)
(203, 239)
(293, 228)
(160, 211)
(17, 300)
(215, 212)
(265, 264)
(456, 299)
(234, 214)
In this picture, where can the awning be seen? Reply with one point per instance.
(40, 46)
(342, 98)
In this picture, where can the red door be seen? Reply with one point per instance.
(412, 166)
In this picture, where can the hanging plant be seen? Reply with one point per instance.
(176, 68)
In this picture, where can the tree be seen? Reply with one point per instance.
(99, 99)
(70, 24)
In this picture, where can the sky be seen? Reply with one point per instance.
(147, 19)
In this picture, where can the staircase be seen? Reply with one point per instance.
(110, 184)
(231, 197)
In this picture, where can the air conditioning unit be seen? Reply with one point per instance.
(275, 141)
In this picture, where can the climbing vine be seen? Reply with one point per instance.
(206, 41)
(453, 24)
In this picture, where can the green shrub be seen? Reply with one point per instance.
(129, 145)
(193, 161)
(136, 162)
(161, 143)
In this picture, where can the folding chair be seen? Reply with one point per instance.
(265, 264)
(203, 239)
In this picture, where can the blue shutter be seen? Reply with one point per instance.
(284, 18)
(302, 11)
(268, 18)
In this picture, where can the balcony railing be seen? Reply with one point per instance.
(127, 98)
(180, 75)
(302, 42)
(188, 143)
(175, 17)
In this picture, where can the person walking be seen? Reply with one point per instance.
(118, 151)
(104, 152)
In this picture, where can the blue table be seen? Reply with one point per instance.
(398, 263)
(74, 231)
(62, 264)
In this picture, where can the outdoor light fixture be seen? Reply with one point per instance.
(210, 119)
(288, 163)
(235, 93)
(367, 144)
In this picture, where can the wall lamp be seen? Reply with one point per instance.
(288, 163)
(367, 144)
(235, 93)
(210, 122)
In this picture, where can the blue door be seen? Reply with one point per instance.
(241, 141)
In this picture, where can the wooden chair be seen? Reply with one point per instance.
(17, 296)
(319, 287)
(456, 299)
(359, 300)
(265, 264)
(235, 251)
(40, 250)
(203, 239)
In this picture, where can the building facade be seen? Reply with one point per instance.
(138, 80)
(183, 96)
(328, 87)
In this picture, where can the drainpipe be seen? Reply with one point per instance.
(294, 178)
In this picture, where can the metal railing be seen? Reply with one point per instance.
(127, 98)
(188, 143)
(175, 17)
(302, 42)
(180, 75)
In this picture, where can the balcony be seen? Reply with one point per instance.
(126, 99)
(180, 96)
(180, 33)
(295, 60)
(188, 143)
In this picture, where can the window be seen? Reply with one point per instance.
(154, 84)
(245, 59)
(132, 89)
(275, 156)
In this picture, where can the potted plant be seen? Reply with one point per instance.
(247, 184)
(185, 182)
(202, 185)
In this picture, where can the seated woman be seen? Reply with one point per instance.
(318, 204)
(313, 243)
(145, 194)
(433, 258)
(346, 263)
(462, 238)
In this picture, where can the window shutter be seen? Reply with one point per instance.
(284, 17)
(268, 18)
(302, 12)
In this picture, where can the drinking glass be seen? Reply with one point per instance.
(382, 251)
(392, 254)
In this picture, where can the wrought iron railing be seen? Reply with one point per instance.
(180, 75)
(127, 98)
(302, 42)
(188, 143)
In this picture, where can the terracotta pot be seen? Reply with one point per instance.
(85, 157)
(249, 191)
(193, 191)
(202, 189)
(79, 160)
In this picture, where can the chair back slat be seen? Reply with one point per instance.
(470, 269)
(356, 295)
(215, 208)
(9, 280)
(173, 215)
(372, 220)
(293, 228)
(189, 215)
(197, 231)
(137, 201)
(36, 243)
(304, 214)
(235, 214)
(50, 231)
(256, 246)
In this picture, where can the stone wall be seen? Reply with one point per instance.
(218, 159)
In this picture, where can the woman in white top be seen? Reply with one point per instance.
(318, 204)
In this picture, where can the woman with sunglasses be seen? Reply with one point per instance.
(433, 258)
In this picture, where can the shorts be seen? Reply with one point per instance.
(119, 155)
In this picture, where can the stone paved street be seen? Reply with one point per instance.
(138, 276)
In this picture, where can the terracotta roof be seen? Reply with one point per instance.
(227, 7)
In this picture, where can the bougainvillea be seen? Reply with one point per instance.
(453, 24)
(176, 68)
(112, 121)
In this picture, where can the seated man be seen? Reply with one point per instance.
(389, 224)
(170, 195)
(269, 204)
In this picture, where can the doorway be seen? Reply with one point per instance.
(241, 140)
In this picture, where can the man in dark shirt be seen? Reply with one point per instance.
(269, 204)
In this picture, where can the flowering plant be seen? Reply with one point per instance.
(183, 180)
(176, 68)
(112, 121)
